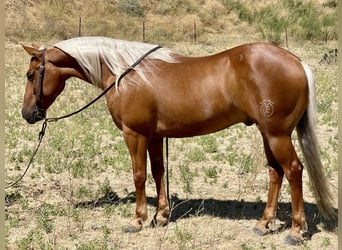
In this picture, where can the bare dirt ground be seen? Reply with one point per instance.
(214, 216)
(79, 194)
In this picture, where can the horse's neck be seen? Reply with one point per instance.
(68, 65)
(108, 78)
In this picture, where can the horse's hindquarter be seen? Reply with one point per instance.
(272, 84)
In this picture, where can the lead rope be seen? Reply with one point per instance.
(167, 170)
(42, 131)
(40, 139)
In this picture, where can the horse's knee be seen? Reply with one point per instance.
(276, 176)
(139, 178)
(294, 171)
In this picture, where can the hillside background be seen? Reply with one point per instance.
(170, 21)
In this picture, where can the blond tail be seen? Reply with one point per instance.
(309, 145)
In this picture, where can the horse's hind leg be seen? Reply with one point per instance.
(276, 174)
(155, 149)
(285, 155)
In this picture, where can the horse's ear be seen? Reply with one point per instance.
(32, 51)
(35, 46)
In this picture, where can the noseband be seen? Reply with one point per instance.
(41, 78)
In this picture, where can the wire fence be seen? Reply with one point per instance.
(190, 29)
(139, 31)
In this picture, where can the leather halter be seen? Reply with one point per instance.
(39, 93)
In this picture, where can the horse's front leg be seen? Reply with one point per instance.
(137, 146)
(155, 149)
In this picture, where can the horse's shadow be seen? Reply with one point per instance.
(226, 209)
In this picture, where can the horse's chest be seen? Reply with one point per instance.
(132, 111)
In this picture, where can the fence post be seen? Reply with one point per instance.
(195, 33)
(143, 31)
(79, 26)
(286, 38)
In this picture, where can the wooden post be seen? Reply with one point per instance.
(143, 31)
(79, 26)
(286, 38)
(195, 33)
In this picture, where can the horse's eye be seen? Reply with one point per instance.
(30, 76)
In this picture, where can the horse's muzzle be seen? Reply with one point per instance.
(34, 114)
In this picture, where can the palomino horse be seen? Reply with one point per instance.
(170, 95)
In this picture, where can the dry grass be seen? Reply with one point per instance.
(79, 194)
(167, 21)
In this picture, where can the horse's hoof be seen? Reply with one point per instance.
(159, 222)
(131, 228)
(259, 231)
(293, 240)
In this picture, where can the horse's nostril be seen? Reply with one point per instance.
(29, 118)
(40, 114)
(33, 115)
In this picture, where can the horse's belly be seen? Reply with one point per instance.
(197, 123)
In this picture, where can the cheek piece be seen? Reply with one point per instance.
(40, 112)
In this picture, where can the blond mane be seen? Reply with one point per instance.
(118, 55)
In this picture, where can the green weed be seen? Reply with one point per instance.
(125, 210)
(209, 144)
(26, 242)
(13, 219)
(87, 246)
(84, 191)
(186, 177)
(109, 210)
(44, 216)
(243, 12)
(183, 237)
(131, 7)
(246, 246)
(211, 174)
(326, 242)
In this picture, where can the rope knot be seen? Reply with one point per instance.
(42, 131)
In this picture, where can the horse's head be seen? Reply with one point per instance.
(45, 82)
